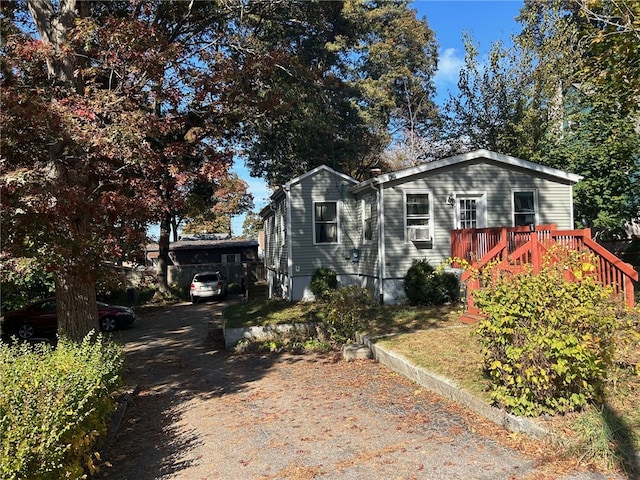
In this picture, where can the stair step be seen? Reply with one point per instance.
(472, 318)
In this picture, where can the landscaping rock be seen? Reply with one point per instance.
(356, 352)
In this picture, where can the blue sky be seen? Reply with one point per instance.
(486, 22)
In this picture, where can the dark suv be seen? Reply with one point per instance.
(207, 285)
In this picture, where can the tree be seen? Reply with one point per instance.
(72, 187)
(594, 110)
(613, 34)
(392, 66)
(353, 70)
(114, 112)
(600, 143)
(110, 114)
(498, 107)
(252, 225)
(210, 205)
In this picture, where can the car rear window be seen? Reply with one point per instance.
(207, 278)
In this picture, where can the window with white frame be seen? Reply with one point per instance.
(367, 220)
(468, 212)
(283, 230)
(418, 216)
(325, 222)
(525, 207)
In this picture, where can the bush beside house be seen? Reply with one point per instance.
(550, 337)
(424, 285)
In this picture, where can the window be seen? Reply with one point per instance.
(325, 222)
(367, 220)
(468, 211)
(524, 208)
(418, 216)
(231, 258)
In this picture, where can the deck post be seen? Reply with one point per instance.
(536, 258)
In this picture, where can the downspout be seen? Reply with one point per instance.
(287, 192)
(381, 246)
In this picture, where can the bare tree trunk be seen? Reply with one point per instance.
(163, 253)
(76, 306)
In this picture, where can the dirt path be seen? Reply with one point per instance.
(202, 413)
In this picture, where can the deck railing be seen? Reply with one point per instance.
(516, 246)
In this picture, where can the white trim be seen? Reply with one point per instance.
(418, 191)
(381, 243)
(572, 221)
(364, 202)
(313, 225)
(536, 209)
(293, 181)
(289, 245)
(481, 206)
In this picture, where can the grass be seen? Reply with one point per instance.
(268, 312)
(434, 338)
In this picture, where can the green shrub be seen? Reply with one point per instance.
(548, 342)
(55, 405)
(425, 285)
(323, 281)
(347, 312)
(23, 282)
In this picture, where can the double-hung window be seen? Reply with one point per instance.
(418, 216)
(525, 207)
(325, 222)
(367, 220)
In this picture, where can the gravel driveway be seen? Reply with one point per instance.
(202, 413)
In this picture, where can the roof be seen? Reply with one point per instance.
(465, 158)
(284, 188)
(206, 244)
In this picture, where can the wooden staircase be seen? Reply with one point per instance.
(512, 248)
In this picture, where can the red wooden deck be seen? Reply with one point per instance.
(517, 246)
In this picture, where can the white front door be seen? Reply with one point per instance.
(471, 210)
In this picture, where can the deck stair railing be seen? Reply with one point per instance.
(512, 248)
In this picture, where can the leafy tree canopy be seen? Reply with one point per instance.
(557, 98)
(252, 225)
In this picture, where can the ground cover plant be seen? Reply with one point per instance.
(55, 406)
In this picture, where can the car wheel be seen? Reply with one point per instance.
(26, 331)
(194, 299)
(107, 324)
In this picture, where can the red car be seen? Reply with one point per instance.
(40, 318)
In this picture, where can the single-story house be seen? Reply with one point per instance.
(192, 252)
(370, 232)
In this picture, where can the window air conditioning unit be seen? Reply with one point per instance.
(419, 234)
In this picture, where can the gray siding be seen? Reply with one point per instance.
(292, 255)
(308, 256)
(498, 181)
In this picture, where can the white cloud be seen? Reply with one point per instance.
(449, 65)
